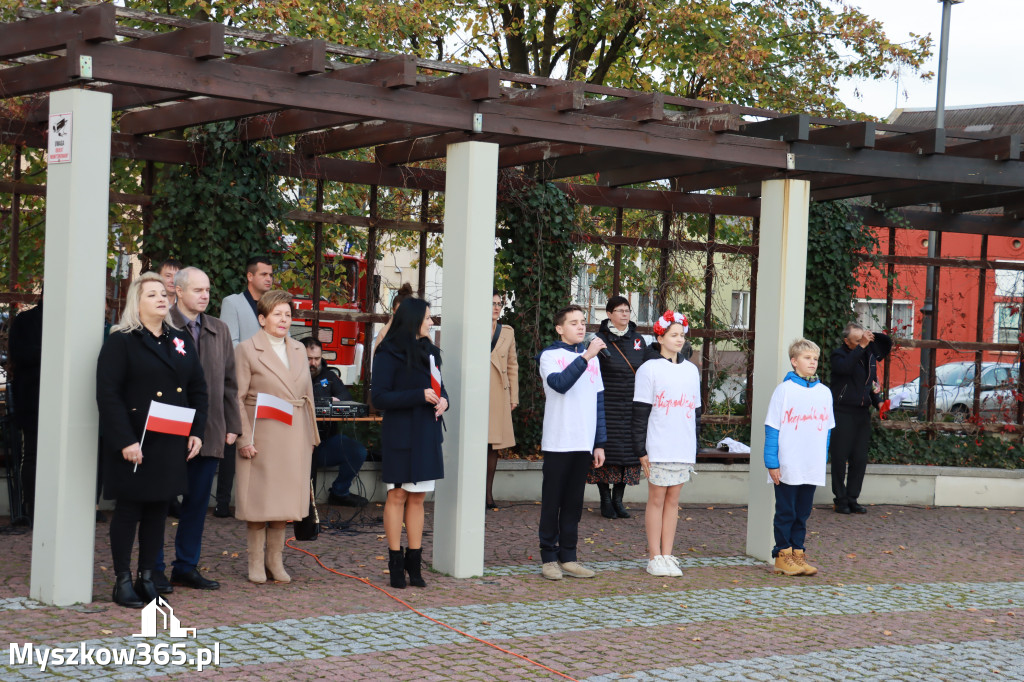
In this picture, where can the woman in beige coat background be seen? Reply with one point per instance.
(272, 475)
(504, 396)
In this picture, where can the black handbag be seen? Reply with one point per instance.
(308, 529)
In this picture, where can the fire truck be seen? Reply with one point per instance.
(339, 338)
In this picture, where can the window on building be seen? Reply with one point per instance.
(645, 312)
(1010, 283)
(740, 316)
(871, 315)
(1006, 322)
(587, 295)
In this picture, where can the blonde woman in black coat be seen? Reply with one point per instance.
(145, 359)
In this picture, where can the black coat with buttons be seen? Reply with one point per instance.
(135, 368)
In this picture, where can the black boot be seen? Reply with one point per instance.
(413, 560)
(620, 509)
(607, 510)
(124, 593)
(396, 567)
(145, 588)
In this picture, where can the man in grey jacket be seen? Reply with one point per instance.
(211, 341)
(238, 312)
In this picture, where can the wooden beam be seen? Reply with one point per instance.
(727, 177)
(53, 31)
(655, 170)
(565, 97)
(434, 147)
(983, 201)
(858, 135)
(204, 41)
(784, 128)
(601, 161)
(363, 221)
(1005, 148)
(657, 200)
(536, 152)
(931, 193)
(649, 106)
(996, 226)
(922, 142)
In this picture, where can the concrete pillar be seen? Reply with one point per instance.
(781, 271)
(469, 214)
(77, 197)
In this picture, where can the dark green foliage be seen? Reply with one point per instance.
(890, 446)
(538, 254)
(835, 237)
(217, 215)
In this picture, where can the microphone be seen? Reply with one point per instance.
(605, 353)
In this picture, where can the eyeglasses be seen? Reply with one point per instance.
(497, 304)
(622, 310)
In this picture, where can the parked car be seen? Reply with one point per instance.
(954, 390)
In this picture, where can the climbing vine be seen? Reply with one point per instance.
(537, 254)
(219, 213)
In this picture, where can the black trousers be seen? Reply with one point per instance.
(561, 503)
(848, 452)
(149, 518)
(226, 477)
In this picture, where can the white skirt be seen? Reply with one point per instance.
(667, 474)
(421, 487)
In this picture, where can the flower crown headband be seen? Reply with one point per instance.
(667, 320)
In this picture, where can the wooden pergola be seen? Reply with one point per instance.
(331, 99)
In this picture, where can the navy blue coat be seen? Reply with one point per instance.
(135, 368)
(410, 435)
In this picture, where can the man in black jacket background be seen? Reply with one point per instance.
(855, 390)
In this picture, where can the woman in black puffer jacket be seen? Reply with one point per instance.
(618, 367)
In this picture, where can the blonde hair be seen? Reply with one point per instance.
(271, 300)
(130, 320)
(802, 345)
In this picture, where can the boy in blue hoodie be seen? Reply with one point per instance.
(795, 453)
(573, 439)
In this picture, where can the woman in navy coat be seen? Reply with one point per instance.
(410, 433)
(145, 359)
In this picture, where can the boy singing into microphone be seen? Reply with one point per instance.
(573, 439)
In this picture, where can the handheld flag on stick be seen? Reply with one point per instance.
(271, 407)
(435, 377)
(164, 418)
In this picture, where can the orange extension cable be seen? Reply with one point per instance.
(420, 613)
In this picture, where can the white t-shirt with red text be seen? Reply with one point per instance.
(673, 392)
(803, 416)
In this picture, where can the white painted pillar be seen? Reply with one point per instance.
(469, 214)
(781, 274)
(77, 198)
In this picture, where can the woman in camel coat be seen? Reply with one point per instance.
(504, 395)
(272, 474)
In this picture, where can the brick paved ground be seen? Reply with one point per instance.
(903, 593)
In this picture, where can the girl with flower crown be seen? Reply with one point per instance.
(666, 430)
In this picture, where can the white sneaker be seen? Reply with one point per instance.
(657, 566)
(672, 565)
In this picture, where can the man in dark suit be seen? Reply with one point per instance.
(26, 348)
(223, 425)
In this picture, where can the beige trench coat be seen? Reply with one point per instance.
(504, 390)
(274, 485)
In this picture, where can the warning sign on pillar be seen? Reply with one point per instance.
(59, 139)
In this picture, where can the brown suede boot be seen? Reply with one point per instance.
(784, 563)
(801, 560)
(257, 539)
(275, 554)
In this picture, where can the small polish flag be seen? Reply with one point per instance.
(164, 418)
(435, 377)
(272, 407)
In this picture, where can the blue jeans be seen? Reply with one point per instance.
(188, 541)
(347, 454)
(793, 505)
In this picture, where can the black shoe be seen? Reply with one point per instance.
(607, 510)
(144, 587)
(195, 580)
(396, 568)
(620, 509)
(100, 516)
(858, 508)
(347, 500)
(221, 511)
(160, 582)
(841, 508)
(174, 509)
(124, 593)
(413, 560)
(491, 506)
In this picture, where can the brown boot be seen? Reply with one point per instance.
(784, 563)
(275, 552)
(257, 539)
(800, 560)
